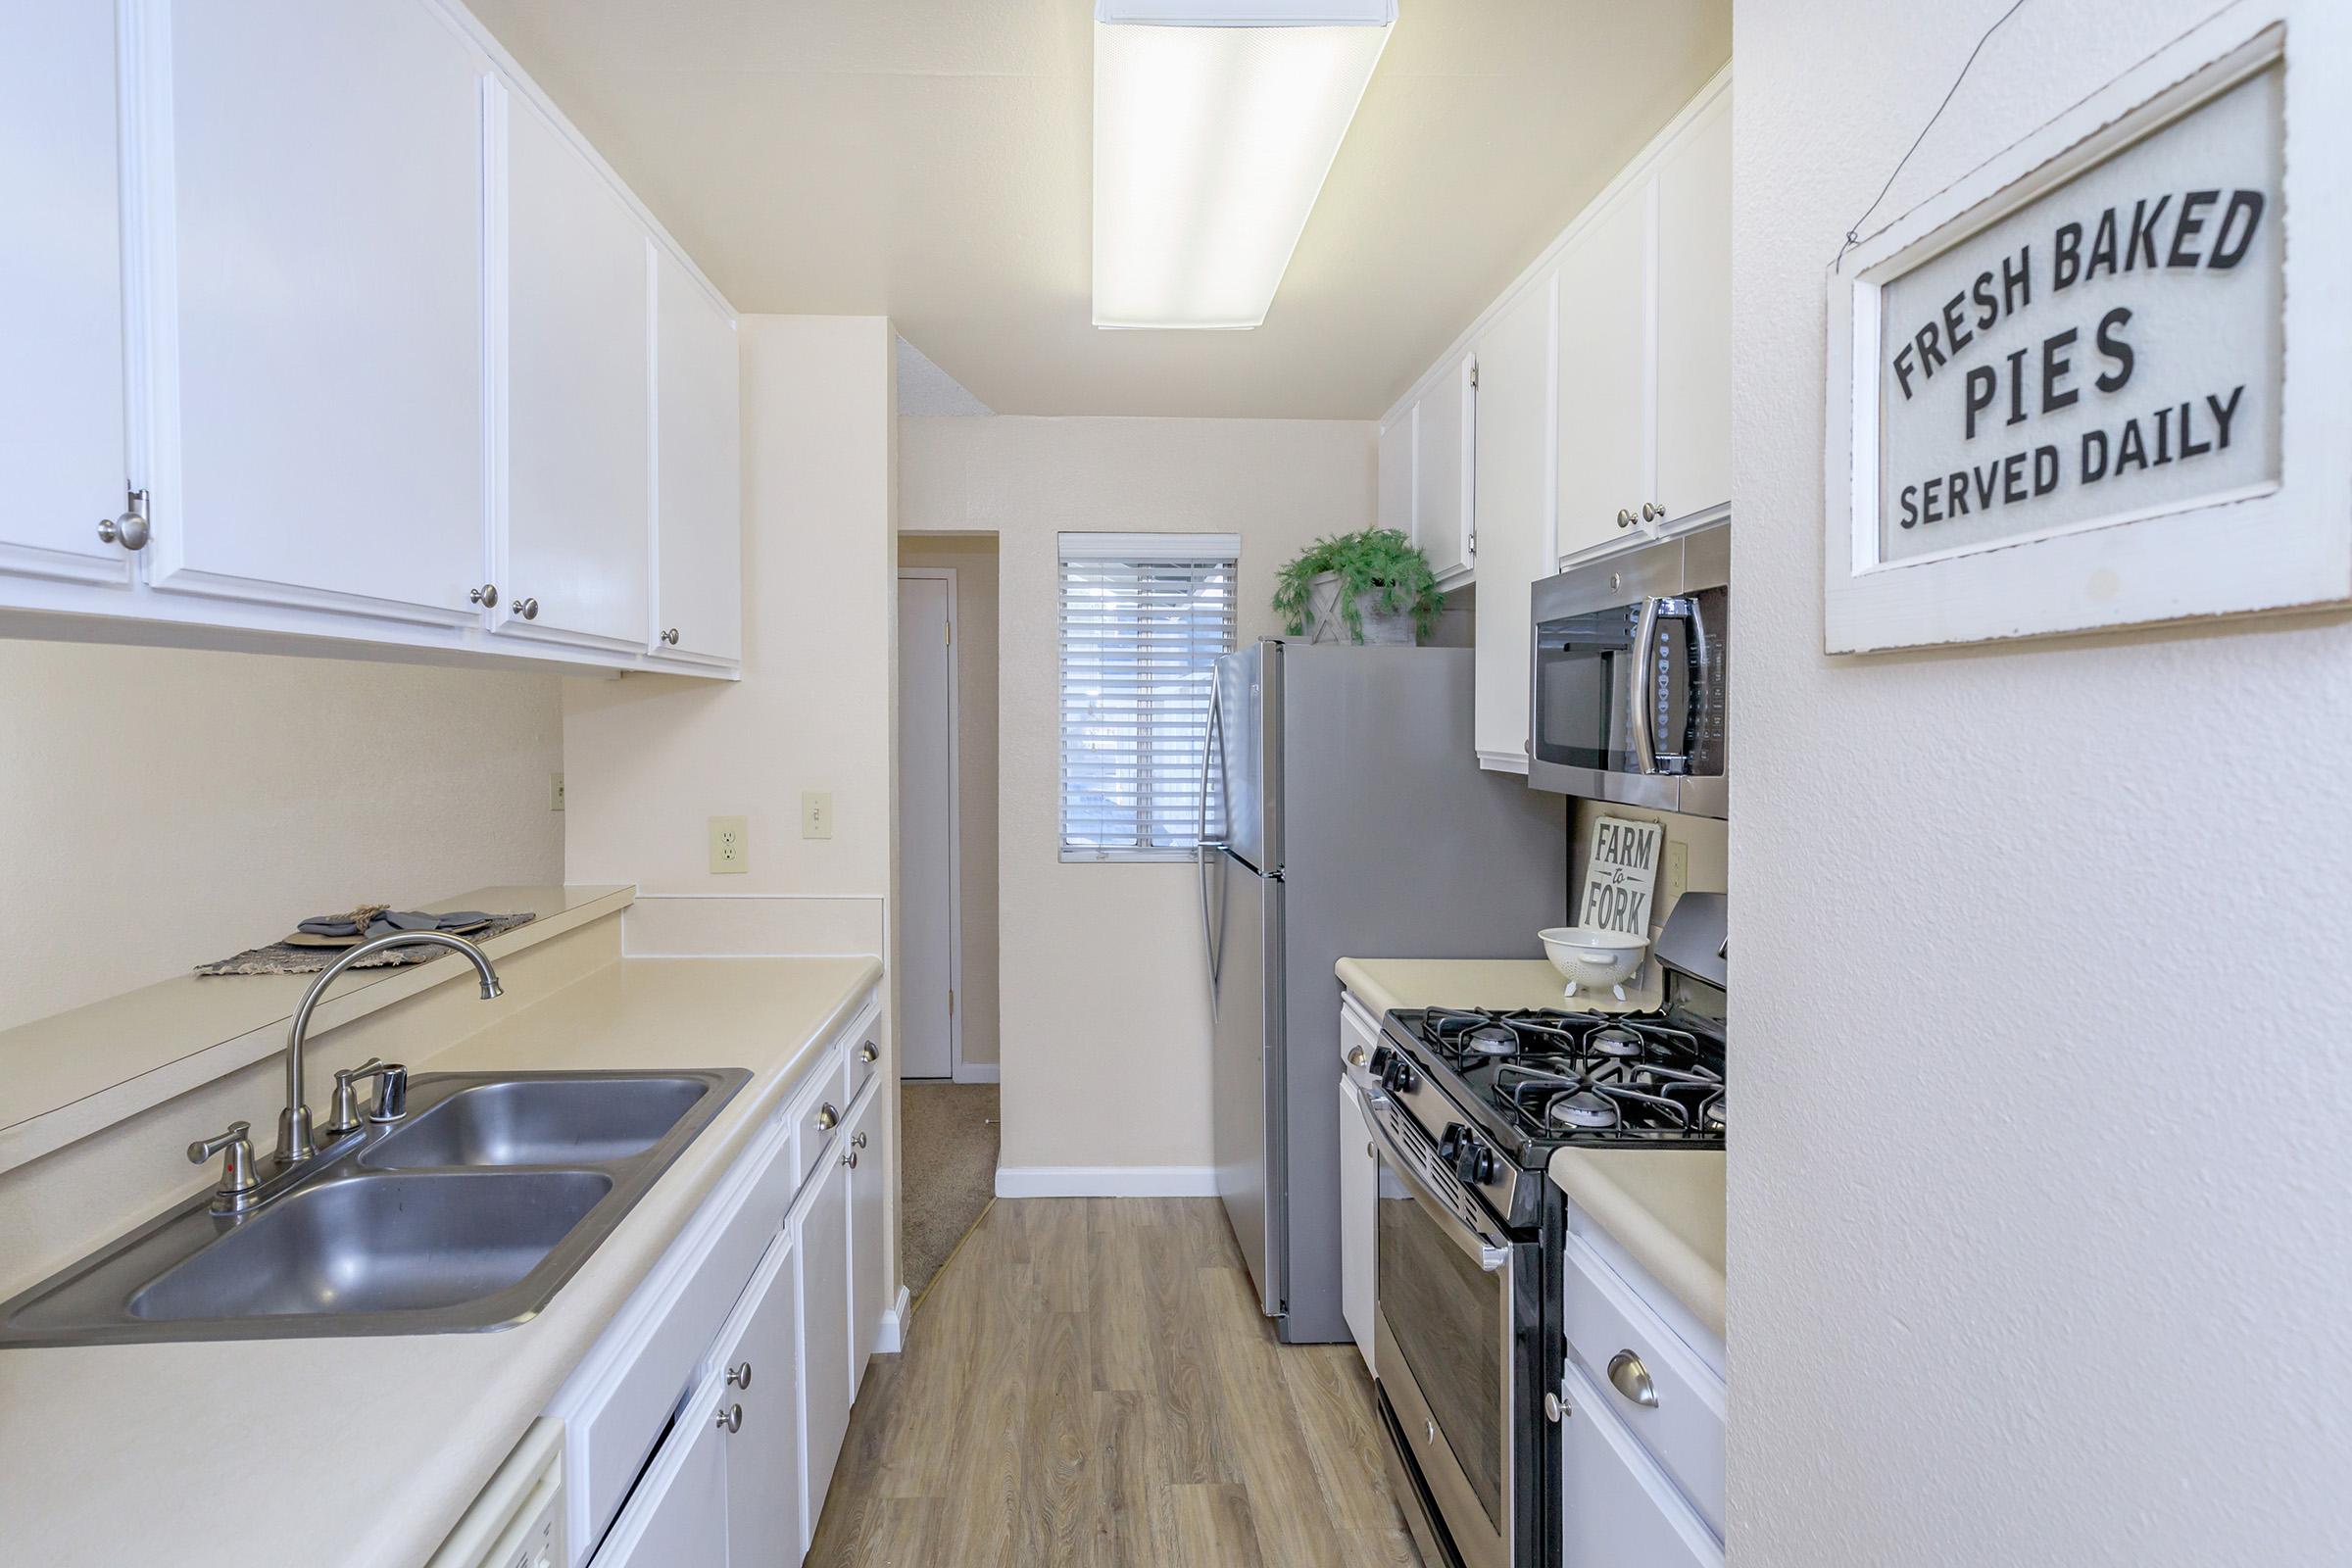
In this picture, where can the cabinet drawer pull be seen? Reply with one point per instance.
(740, 1377)
(1355, 1057)
(1629, 1376)
(730, 1419)
(827, 1118)
(869, 1051)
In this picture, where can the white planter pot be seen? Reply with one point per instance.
(1325, 623)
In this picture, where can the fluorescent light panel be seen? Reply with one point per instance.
(1215, 126)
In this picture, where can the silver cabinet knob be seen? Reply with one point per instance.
(730, 1419)
(486, 596)
(827, 1118)
(740, 1377)
(670, 636)
(1625, 519)
(869, 1051)
(130, 530)
(1355, 1057)
(527, 609)
(850, 1159)
(1652, 512)
(1553, 1409)
(1370, 1152)
(858, 1140)
(1629, 1376)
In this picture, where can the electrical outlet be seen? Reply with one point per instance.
(817, 814)
(555, 792)
(730, 846)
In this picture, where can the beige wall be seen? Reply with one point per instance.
(1105, 1032)
(162, 808)
(2039, 1217)
(974, 559)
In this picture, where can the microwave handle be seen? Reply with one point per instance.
(1646, 639)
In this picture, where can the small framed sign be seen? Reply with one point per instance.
(2077, 390)
(1621, 876)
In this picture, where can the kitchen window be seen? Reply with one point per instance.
(1144, 619)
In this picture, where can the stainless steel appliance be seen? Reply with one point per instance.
(1627, 695)
(1469, 1108)
(1345, 812)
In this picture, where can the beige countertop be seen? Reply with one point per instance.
(1664, 1206)
(1500, 983)
(362, 1453)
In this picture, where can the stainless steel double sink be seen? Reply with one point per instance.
(467, 1214)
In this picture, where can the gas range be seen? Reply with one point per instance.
(1495, 1094)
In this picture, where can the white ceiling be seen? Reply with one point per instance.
(930, 160)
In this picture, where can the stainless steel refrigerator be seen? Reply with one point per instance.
(1345, 816)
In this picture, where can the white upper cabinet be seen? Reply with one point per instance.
(1442, 467)
(1395, 492)
(1514, 490)
(1605, 375)
(314, 330)
(1695, 317)
(697, 468)
(575, 507)
(64, 457)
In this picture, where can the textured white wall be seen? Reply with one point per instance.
(2041, 1205)
(1103, 1004)
(162, 808)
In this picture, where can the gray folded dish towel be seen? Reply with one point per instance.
(391, 920)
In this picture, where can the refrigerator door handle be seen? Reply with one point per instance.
(1201, 847)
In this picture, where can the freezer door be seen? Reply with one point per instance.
(1246, 1083)
(1245, 756)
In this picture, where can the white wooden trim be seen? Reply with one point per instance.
(891, 1337)
(1106, 1181)
(1503, 761)
(1638, 168)
(2270, 547)
(949, 575)
(979, 1072)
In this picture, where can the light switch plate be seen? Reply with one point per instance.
(555, 792)
(730, 846)
(817, 814)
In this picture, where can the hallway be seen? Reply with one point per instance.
(1090, 1383)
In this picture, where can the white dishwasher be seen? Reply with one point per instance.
(518, 1522)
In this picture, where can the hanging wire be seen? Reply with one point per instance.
(1853, 233)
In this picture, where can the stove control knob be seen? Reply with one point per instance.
(1452, 1141)
(1474, 1162)
(1398, 1078)
(1381, 1055)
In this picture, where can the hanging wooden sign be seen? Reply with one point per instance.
(2060, 392)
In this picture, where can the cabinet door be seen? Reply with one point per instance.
(1607, 388)
(698, 469)
(1617, 1508)
(677, 1517)
(825, 1320)
(1695, 317)
(62, 459)
(1397, 473)
(1359, 1172)
(869, 1234)
(1513, 493)
(316, 250)
(577, 497)
(764, 1455)
(1441, 469)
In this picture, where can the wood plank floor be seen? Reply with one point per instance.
(1090, 1383)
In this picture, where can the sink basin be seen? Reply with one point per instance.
(539, 1121)
(469, 1214)
(379, 1243)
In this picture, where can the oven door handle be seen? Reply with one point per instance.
(1481, 1248)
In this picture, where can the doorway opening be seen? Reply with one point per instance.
(948, 1026)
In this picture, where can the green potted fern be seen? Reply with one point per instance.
(1373, 588)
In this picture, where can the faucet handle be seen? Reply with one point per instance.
(237, 1180)
(344, 1118)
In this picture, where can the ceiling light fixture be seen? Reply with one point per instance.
(1215, 122)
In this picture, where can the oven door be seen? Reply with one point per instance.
(1442, 1339)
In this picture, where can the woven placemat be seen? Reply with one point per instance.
(280, 957)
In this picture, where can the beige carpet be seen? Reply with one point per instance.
(947, 1171)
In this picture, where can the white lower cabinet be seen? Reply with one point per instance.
(1618, 1509)
(829, 1383)
(870, 1235)
(677, 1517)
(1360, 1181)
(760, 1371)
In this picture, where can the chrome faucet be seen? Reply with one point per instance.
(294, 1141)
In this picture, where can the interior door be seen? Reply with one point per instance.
(1245, 911)
(64, 463)
(578, 494)
(698, 471)
(926, 828)
(314, 202)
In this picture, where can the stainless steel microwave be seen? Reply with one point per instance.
(1627, 699)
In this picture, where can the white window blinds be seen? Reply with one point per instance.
(1144, 617)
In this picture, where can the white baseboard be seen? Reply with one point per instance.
(892, 1335)
(978, 1072)
(1106, 1181)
